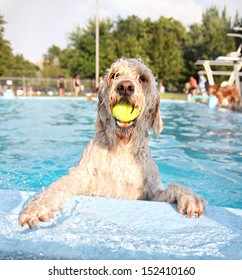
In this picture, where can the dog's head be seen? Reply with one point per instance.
(212, 89)
(129, 81)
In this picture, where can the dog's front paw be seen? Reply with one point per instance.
(191, 204)
(36, 211)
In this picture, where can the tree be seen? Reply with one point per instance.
(165, 45)
(209, 40)
(81, 52)
(158, 43)
(6, 56)
(166, 50)
(130, 37)
(52, 55)
(79, 56)
(214, 30)
(22, 67)
(237, 23)
(106, 45)
(51, 67)
(10, 65)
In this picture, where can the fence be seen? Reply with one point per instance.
(41, 86)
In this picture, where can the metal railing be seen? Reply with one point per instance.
(41, 86)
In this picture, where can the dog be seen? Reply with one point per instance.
(117, 162)
(228, 93)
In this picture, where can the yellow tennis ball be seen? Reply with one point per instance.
(124, 112)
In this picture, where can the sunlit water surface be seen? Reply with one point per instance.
(40, 139)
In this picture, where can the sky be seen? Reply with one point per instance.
(35, 25)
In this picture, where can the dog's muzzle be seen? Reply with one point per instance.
(125, 88)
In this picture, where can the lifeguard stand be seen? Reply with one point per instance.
(233, 59)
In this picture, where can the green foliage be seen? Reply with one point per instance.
(6, 57)
(158, 43)
(130, 37)
(52, 55)
(166, 55)
(22, 67)
(51, 66)
(79, 57)
(164, 44)
(209, 39)
(13, 65)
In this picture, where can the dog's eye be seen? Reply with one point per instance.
(114, 76)
(142, 79)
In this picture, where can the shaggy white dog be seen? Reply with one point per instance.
(117, 162)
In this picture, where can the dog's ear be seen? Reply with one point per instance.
(99, 123)
(157, 124)
(101, 111)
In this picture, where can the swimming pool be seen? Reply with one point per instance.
(40, 139)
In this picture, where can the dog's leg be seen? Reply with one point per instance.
(187, 201)
(42, 206)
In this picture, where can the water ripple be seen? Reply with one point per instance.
(200, 148)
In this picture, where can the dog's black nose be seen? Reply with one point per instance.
(125, 88)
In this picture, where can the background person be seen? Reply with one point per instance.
(76, 83)
(161, 87)
(193, 85)
(29, 90)
(202, 84)
(61, 85)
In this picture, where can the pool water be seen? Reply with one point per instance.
(40, 139)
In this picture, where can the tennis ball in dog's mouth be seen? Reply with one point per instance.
(124, 112)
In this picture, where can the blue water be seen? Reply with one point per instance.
(199, 147)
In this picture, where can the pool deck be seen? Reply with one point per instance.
(103, 228)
